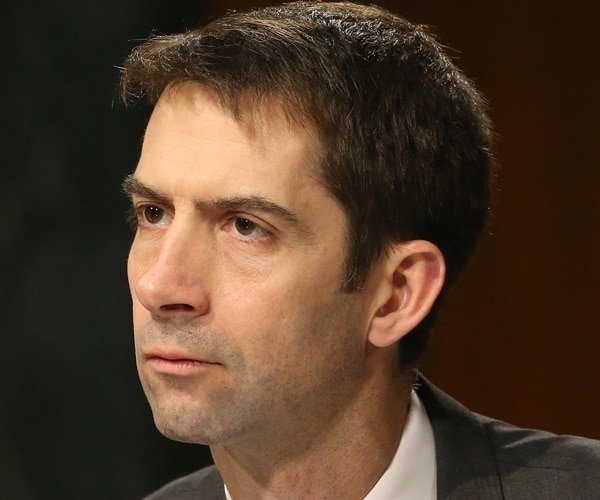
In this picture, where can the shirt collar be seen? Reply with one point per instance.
(412, 472)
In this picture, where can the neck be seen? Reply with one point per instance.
(341, 453)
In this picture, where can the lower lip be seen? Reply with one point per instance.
(179, 366)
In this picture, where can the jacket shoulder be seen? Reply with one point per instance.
(543, 449)
(480, 457)
(539, 464)
(205, 483)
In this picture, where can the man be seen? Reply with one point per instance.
(313, 178)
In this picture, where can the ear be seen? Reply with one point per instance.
(414, 275)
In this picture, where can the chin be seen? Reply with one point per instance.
(182, 432)
(190, 424)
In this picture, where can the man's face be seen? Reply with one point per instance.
(241, 330)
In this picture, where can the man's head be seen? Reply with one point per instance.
(235, 270)
(303, 172)
(403, 140)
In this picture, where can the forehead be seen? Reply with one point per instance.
(260, 120)
(189, 122)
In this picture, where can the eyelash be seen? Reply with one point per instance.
(136, 213)
(264, 233)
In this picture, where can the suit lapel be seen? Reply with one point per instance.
(212, 486)
(466, 467)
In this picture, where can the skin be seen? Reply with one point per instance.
(244, 339)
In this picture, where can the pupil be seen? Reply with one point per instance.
(244, 226)
(153, 214)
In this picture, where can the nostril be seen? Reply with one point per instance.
(177, 307)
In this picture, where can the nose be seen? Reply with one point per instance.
(167, 280)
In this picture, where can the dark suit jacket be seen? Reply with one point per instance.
(477, 458)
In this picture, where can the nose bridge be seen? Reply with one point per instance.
(176, 255)
(174, 279)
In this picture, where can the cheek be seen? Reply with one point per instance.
(133, 274)
(135, 270)
(140, 315)
(279, 326)
(286, 295)
(134, 266)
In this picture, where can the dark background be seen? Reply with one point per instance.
(518, 338)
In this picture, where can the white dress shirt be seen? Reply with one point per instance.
(412, 474)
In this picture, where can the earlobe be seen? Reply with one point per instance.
(414, 275)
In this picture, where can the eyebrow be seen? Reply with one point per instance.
(134, 187)
(254, 203)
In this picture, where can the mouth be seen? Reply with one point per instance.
(175, 363)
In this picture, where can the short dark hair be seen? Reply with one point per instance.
(405, 140)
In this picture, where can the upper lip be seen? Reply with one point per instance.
(174, 355)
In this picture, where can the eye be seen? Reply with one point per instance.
(148, 215)
(152, 214)
(245, 226)
(248, 228)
